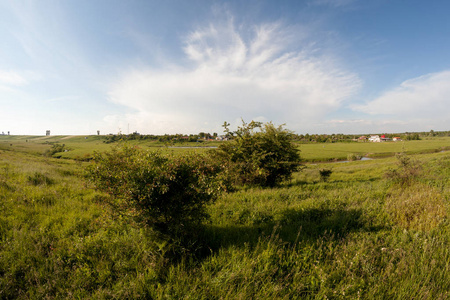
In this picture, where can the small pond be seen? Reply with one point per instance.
(194, 147)
(346, 161)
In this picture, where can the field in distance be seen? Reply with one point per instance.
(82, 147)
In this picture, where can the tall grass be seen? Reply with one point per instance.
(357, 236)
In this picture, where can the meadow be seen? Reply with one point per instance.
(82, 147)
(358, 235)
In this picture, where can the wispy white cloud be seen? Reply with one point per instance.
(48, 40)
(425, 96)
(46, 75)
(12, 78)
(68, 98)
(267, 72)
(363, 126)
(416, 104)
(332, 3)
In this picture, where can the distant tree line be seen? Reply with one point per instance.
(333, 138)
(166, 138)
(300, 138)
(325, 138)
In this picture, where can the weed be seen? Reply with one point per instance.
(353, 156)
(408, 170)
(38, 178)
(325, 174)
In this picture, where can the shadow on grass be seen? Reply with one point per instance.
(314, 184)
(307, 225)
(356, 180)
(292, 183)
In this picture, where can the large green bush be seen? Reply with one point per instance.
(259, 154)
(164, 192)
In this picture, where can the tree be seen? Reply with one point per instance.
(259, 154)
(413, 137)
(165, 193)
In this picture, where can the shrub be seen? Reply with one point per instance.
(163, 192)
(325, 174)
(353, 157)
(264, 157)
(55, 149)
(407, 171)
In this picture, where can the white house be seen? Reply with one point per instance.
(374, 138)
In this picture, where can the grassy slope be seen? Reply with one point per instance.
(356, 236)
(81, 147)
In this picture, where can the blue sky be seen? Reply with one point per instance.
(319, 66)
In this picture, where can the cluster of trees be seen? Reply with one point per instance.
(434, 133)
(412, 137)
(166, 138)
(425, 134)
(325, 138)
(111, 138)
(168, 193)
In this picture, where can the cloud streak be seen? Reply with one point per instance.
(425, 96)
(265, 73)
(332, 3)
(12, 78)
(420, 103)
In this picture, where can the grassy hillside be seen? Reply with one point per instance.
(357, 236)
(82, 147)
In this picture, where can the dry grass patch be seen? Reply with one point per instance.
(417, 207)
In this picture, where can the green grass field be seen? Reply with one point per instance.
(81, 147)
(356, 236)
(340, 151)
